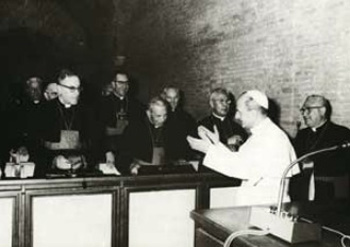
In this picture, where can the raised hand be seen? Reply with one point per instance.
(201, 145)
(206, 134)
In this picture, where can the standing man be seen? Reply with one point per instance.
(179, 120)
(25, 128)
(30, 109)
(66, 126)
(325, 176)
(260, 161)
(115, 112)
(230, 133)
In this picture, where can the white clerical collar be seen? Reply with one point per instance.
(65, 105)
(314, 129)
(219, 117)
(119, 97)
(260, 125)
(154, 126)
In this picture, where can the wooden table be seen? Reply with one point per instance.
(104, 211)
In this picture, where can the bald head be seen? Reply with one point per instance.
(51, 91)
(157, 111)
(172, 96)
(34, 89)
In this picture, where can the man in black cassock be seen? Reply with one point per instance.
(66, 128)
(179, 120)
(150, 142)
(230, 132)
(115, 112)
(324, 177)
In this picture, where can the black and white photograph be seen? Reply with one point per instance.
(174, 123)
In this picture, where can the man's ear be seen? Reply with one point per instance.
(148, 112)
(59, 89)
(211, 104)
(323, 111)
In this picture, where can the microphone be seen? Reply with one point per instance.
(284, 227)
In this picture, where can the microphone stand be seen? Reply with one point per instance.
(283, 183)
(283, 226)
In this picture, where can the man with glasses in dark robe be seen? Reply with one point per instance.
(325, 176)
(114, 114)
(66, 128)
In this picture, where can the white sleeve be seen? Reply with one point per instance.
(221, 159)
(258, 157)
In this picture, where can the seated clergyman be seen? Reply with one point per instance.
(148, 142)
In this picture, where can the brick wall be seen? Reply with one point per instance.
(287, 48)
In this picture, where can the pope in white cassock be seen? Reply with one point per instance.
(259, 162)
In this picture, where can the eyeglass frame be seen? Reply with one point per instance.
(228, 102)
(124, 82)
(51, 93)
(308, 109)
(71, 88)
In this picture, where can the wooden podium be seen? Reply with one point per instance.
(213, 226)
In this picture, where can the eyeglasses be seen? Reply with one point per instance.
(307, 109)
(123, 82)
(72, 89)
(51, 93)
(223, 101)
